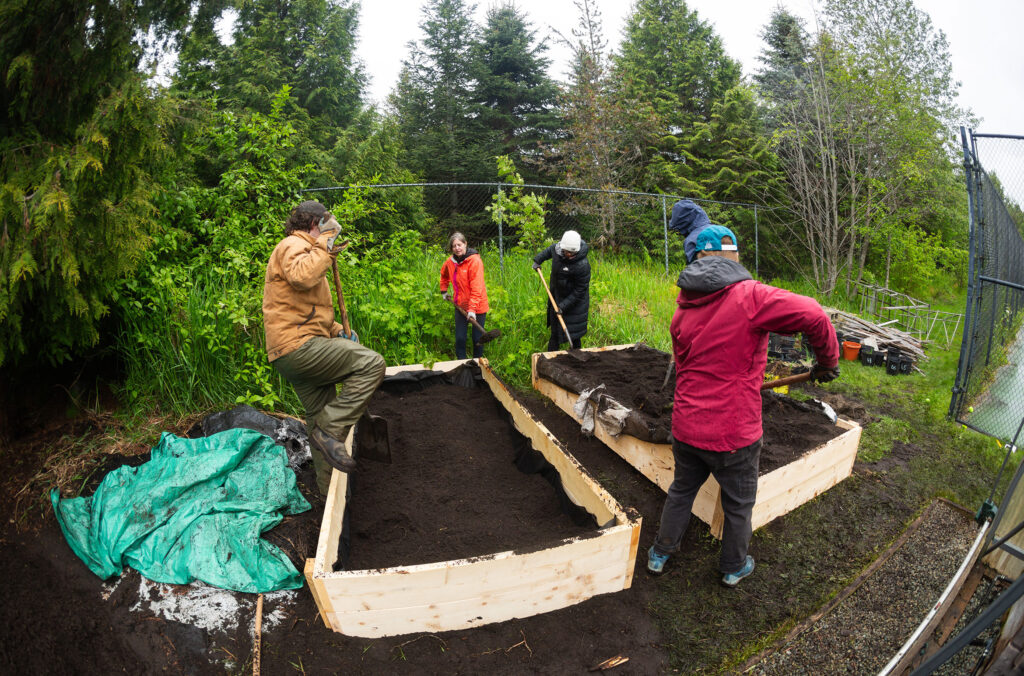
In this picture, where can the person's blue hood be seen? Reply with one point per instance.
(687, 217)
(688, 220)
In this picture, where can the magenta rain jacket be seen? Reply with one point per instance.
(720, 342)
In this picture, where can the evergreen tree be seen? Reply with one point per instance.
(730, 156)
(445, 140)
(605, 134)
(514, 95)
(440, 126)
(306, 45)
(784, 60)
(79, 135)
(672, 58)
(672, 63)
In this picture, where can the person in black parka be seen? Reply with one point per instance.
(570, 285)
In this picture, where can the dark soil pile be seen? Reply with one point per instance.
(633, 377)
(453, 489)
(791, 428)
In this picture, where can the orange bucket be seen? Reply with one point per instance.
(851, 350)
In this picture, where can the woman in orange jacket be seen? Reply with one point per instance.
(463, 272)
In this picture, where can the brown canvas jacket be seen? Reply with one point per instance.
(297, 302)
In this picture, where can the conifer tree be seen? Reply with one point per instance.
(79, 136)
(513, 94)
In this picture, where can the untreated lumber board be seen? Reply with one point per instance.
(778, 492)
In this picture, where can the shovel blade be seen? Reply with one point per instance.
(489, 336)
(372, 440)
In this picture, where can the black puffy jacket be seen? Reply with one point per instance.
(570, 285)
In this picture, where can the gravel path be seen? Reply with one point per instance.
(865, 630)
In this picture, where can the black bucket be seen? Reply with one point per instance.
(906, 365)
(892, 362)
(867, 355)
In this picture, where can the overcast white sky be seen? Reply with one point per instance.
(984, 37)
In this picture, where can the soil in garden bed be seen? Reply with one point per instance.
(633, 377)
(453, 490)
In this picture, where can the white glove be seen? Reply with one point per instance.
(471, 315)
(330, 226)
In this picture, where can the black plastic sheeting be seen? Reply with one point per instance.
(635, 424)
(286, 432)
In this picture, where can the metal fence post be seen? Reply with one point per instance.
(501, 239)
(966, 340)
(664, 221)
(757, 253)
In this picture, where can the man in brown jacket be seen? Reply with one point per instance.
(308, 347)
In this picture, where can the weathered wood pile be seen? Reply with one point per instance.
(876, 335)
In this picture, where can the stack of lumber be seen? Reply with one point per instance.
(880, 337)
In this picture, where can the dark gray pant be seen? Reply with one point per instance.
(736, 473)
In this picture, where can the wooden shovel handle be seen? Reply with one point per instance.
(466, 315)
(558, 313)
(790, 380)
(341, 299)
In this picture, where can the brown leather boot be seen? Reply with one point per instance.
(333, 450)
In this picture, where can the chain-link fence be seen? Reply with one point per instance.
(633, 222)
(989, 392)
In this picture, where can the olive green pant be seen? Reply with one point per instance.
(314, 369)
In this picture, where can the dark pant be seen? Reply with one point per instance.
(314, 369)
(558, 337)
(461, 328)
(736, 473)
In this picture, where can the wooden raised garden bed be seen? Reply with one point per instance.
(778, 491)
(476, 590)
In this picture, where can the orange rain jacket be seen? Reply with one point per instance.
(467, 277)
(297, 302)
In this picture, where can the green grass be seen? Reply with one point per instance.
(877, 439)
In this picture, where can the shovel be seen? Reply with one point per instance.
(799, 378)
(578, 356)
(488, 336)
(790, 380)
(371, 437)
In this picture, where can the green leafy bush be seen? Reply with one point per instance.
(521, 212)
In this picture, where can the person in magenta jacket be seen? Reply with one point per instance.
(463, 273)
(720, 344)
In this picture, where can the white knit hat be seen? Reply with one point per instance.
(570, 241)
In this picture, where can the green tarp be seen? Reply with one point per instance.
(195, 511)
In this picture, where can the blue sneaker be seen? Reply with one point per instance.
(656, 562)
(732, 579)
